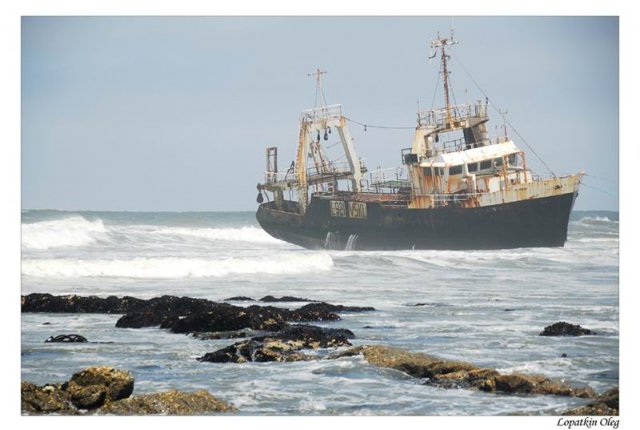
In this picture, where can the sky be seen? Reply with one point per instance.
(175, 113)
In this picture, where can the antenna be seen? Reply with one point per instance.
(319, 92)
(441, 43)
(504, 113)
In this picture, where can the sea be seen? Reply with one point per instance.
(484, 307)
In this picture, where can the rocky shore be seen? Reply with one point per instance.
(105, 390)
(459, 374)
(269, 334)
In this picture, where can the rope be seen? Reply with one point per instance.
(602, 179)
(505, 119)
(598, 189)
(435, 92)
(378, 126)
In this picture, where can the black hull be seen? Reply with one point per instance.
(538, 222)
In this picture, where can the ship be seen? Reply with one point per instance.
(456, 189)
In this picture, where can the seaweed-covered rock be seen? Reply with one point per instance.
(38, 302)
(271, 299)
(222, 334)
(313, 312)
(66, 338)
(565, 329)
(457, 374)
(168, 403)
(228, 318)
(282, 346)
(117, 384)
(144, 318)
(239, 299)
(107, 390)
(189, 315)
(87, 389)
(46, 399)
(328, 307)
(605, 404)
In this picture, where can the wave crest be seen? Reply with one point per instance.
(72, 231)
(175, 267)
(238, 234)
(597, 220)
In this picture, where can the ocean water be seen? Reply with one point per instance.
(484, 307)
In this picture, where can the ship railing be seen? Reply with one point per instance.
(272, 177)
(448, 147)
(457, 145)
(331, 168)
(322, 113)
(438, 118)
(444, 199)
(383, 175)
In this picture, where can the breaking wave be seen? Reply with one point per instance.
(77, 231)
(72, 231)
(241, 234)
(597, 220)
(175, 267)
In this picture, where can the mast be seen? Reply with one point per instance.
(442, 43)
(319, 93)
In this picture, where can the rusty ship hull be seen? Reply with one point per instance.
(538, 222)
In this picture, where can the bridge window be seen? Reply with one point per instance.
(486, 164)
(427, 171)
(498, 162)
(473, 167)
(455, 170)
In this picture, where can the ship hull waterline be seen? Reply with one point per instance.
(540, 222)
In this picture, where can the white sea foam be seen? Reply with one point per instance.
(242, 234)
(72, 231)
(591, 220)
(171, 268)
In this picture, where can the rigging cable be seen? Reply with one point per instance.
(435, 91)
(379, 126)
(602, 179)
(598, 189)
(505, 119)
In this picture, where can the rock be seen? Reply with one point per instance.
(284, 299)
(327, 307)
(282, 346)
(117, 384)
(145, 318)
(313, 312)
(89, 397)
(457, 374)
(229, 318)
(168, 403)
(605, 404)
(239, 299)
(66, 338)
(38, 302)
(46, 399)
(188, 315)
(106, 390)
(88, 389)
(221, 335)
(565, 329)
